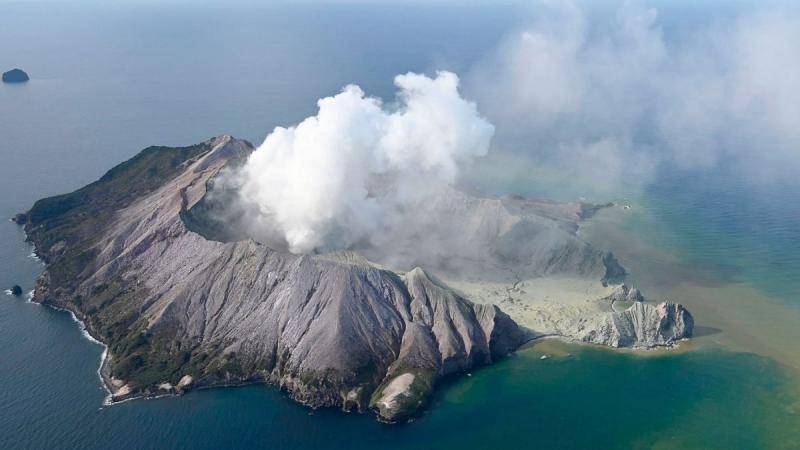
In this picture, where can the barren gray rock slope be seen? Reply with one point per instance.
(178, 309)
(328, 330)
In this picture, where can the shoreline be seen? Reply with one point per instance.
(103, 368)
(87, 335)
(680, 345)
(85, 332)
(555, 284)
(107, 384)
(112, 390)
(741, 317)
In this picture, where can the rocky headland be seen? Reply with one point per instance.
(140, 257)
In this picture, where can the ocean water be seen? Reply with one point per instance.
(108, 80)
(745, 232)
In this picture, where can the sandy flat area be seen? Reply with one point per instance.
(540, 304)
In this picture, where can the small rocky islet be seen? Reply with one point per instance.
(15, 76)
(138, 257)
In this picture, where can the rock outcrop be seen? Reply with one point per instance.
(625, 293)
(15, 76)
(20, 219)
(641, 325)
(620, 317)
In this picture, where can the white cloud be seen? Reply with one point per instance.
(335, 179)
(604, 101)
(615, 88)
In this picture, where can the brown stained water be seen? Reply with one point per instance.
(737, 315)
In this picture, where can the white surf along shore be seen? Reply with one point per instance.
(29, 298)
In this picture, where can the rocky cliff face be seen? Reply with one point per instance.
(641, 325)
(179, 310)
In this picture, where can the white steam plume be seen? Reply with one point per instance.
(335, 179)
(608, 100)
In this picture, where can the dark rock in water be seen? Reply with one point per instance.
(15, 76)
(16, 290)
(20, 219)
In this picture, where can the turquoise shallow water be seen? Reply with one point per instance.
(96, 98)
